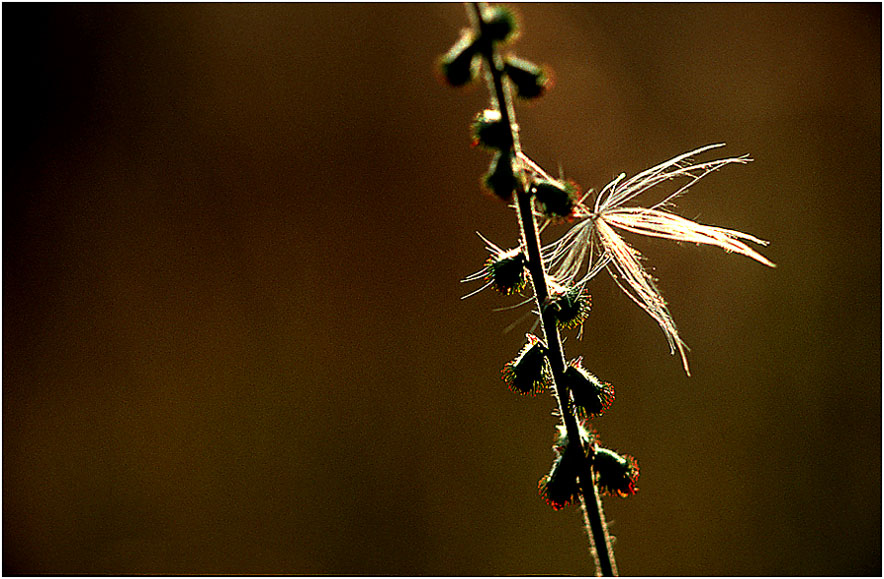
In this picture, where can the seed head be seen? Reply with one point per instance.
(594, 243)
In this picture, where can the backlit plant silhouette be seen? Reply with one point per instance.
(559, 273)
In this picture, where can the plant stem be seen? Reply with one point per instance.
(600, 542)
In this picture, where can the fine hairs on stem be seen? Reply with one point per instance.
(583, 469)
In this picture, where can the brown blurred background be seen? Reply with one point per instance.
(232, 336)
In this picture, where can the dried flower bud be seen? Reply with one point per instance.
(528, 78)
(616, 474)
(591, 396)
(460, 65)
(500, 178)
(506, 271)
(500, 23)
(557, 200)
(529, 372)
(489, 131)
(570, 305)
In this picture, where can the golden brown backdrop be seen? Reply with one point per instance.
(232, 339)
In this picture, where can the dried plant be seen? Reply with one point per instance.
(559, 272)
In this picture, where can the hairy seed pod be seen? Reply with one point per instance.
(560, 488)
(506, 271)
(529, 79)
(500, 24)
(489, 131)
(500, 179)
(528, 372)
(557, 200)
(460, 65)
(570, 305)
(591, 396)
(617, 474)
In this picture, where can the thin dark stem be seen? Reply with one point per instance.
(594, 515)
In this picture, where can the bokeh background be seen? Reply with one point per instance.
(232, 341)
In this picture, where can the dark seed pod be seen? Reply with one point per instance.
(528, 78)
(616, 474)
(460, 65)
(500, 178)
(570, 306)
(560, 487)
(506, 271)
(591, 396)
(500, 24)
(557, 200)
(489, 131)
(529, 372)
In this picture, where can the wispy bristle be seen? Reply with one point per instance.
(656, 223)
(638, 284)
(622, 190)
(575, 258)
